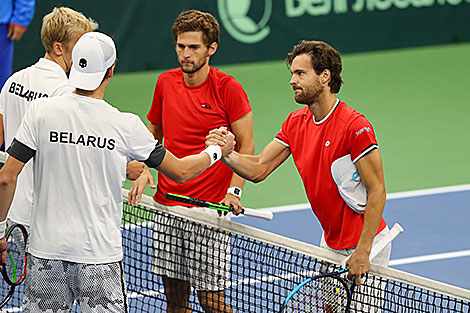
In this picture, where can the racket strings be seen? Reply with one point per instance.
(322, 295)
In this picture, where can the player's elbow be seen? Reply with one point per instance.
(258, 177)
(182, 176)
(6, 179)
(262, 173)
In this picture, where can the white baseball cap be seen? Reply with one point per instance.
(349, 183)
(92, 55)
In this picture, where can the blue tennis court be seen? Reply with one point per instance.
(435, 243)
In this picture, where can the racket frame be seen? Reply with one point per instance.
(22, 277)
(8, 296)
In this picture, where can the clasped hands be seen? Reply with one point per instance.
(223, 138)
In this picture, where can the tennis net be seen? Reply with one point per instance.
(252, 270)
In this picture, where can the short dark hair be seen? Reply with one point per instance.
(193, 21)
(323, 57)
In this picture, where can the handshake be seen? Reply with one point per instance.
(223, 138)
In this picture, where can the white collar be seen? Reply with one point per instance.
(49, 65)
(328, 115)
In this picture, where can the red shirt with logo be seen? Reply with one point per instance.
(314, 147)
(187, 114)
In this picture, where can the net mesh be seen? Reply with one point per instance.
(232, 267)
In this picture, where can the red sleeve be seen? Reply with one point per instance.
(155, 113)
(235, 100)
(361, 138)
(282, 134)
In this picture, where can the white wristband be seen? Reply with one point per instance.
(214, 152)
(237, 192)
(3, 227)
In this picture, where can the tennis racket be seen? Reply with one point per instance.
(330, 292)
(267, 215)
(14, 269)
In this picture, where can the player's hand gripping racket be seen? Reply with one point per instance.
(14, 268)
(267, 215)
(329, 292)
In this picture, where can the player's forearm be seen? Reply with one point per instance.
(246, 146)
(373, 215)
(191, 166)
(246, 166)
(237, 181)
(182, 170)
(7, 191)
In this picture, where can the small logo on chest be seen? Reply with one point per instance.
(327, 143)
(207, 106)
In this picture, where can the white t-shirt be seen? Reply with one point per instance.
(82, 146)
(43, 79)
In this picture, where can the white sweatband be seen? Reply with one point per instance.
(214, 152)
(237, 192)
(3, 227)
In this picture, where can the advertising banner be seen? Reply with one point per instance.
(258, 30)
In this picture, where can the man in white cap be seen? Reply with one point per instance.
(80, 146)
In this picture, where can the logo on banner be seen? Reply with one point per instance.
(235, 19)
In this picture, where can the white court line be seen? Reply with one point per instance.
(427, 192)
(390, 196)
(430, 257)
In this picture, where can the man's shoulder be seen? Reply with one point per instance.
(222, 77)
(300, 113)
(347, 113)
(31, 69)
(351, 118)
(33, 82)
(224, 83)
(125, 118)
(171, 74)
(18, 75)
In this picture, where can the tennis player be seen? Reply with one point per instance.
(188, 102)
(317, 135)
(80, 146)
(46, 78)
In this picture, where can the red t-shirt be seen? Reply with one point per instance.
(186, 115)
(314, 147)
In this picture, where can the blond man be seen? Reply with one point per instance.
(46, 78)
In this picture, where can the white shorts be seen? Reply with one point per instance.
(190, 251)
(369, 296)
(54, 285)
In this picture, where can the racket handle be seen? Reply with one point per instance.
(385, 240)
(380, 245)
(267, 215)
